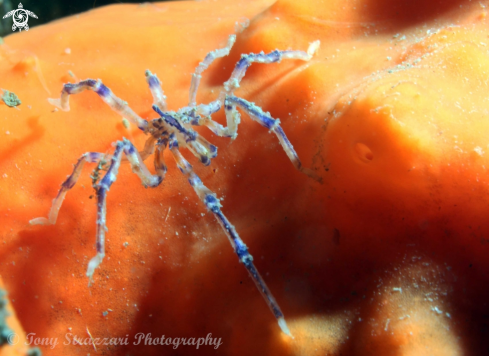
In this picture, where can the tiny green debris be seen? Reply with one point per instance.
(10, 99)
(125, 123)
(102, 165)
(5, 332)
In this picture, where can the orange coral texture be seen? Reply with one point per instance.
(388, 256)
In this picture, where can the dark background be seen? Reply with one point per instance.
(47, 11)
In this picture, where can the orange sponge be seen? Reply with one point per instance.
(386, 255)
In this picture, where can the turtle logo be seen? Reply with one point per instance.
(20, 17)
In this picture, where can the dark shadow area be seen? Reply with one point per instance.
(48, 11)
(406, 13)
(37, 131)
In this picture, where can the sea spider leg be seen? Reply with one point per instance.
(266, 120)
(275, 56)
(103, 187)
(91, 157)
(211, 56)
(159, 163)
(116, 104)
(149, 148)
(159, 98)
(138, 167)
(232, 116)
(212, 203)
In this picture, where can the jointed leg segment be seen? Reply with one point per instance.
(212, 203)
(159, 98)
(109, 178)
(266, 120)
(231, 102)
(232, 116)
(103, 187)
(118, 105)
(211, 56)
(275, 56)
(91, 157)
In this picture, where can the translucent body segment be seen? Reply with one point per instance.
(208, 109)
(211, 56)
(149, 148)
(215, 127)
(138, 166)
(209, 147)
(160, 166)
(100, 234)
(92, 157)
(233, 119)
(205, 120)
(198, 114)
(116, 104)
(212, 203)
(159, 98)
(200, 152)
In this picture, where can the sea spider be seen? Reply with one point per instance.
(173, 130)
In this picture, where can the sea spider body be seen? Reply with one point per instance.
(173, 130)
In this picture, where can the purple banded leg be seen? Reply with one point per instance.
(148, 150)
(91, 157)
(266, 120)
(212, 203)
(106, 182)
(211, 56)
(275, 56)
(232, 116)
(209, 147)
(159, 98)
(116, 104)
(159, 162)
(103, 187)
